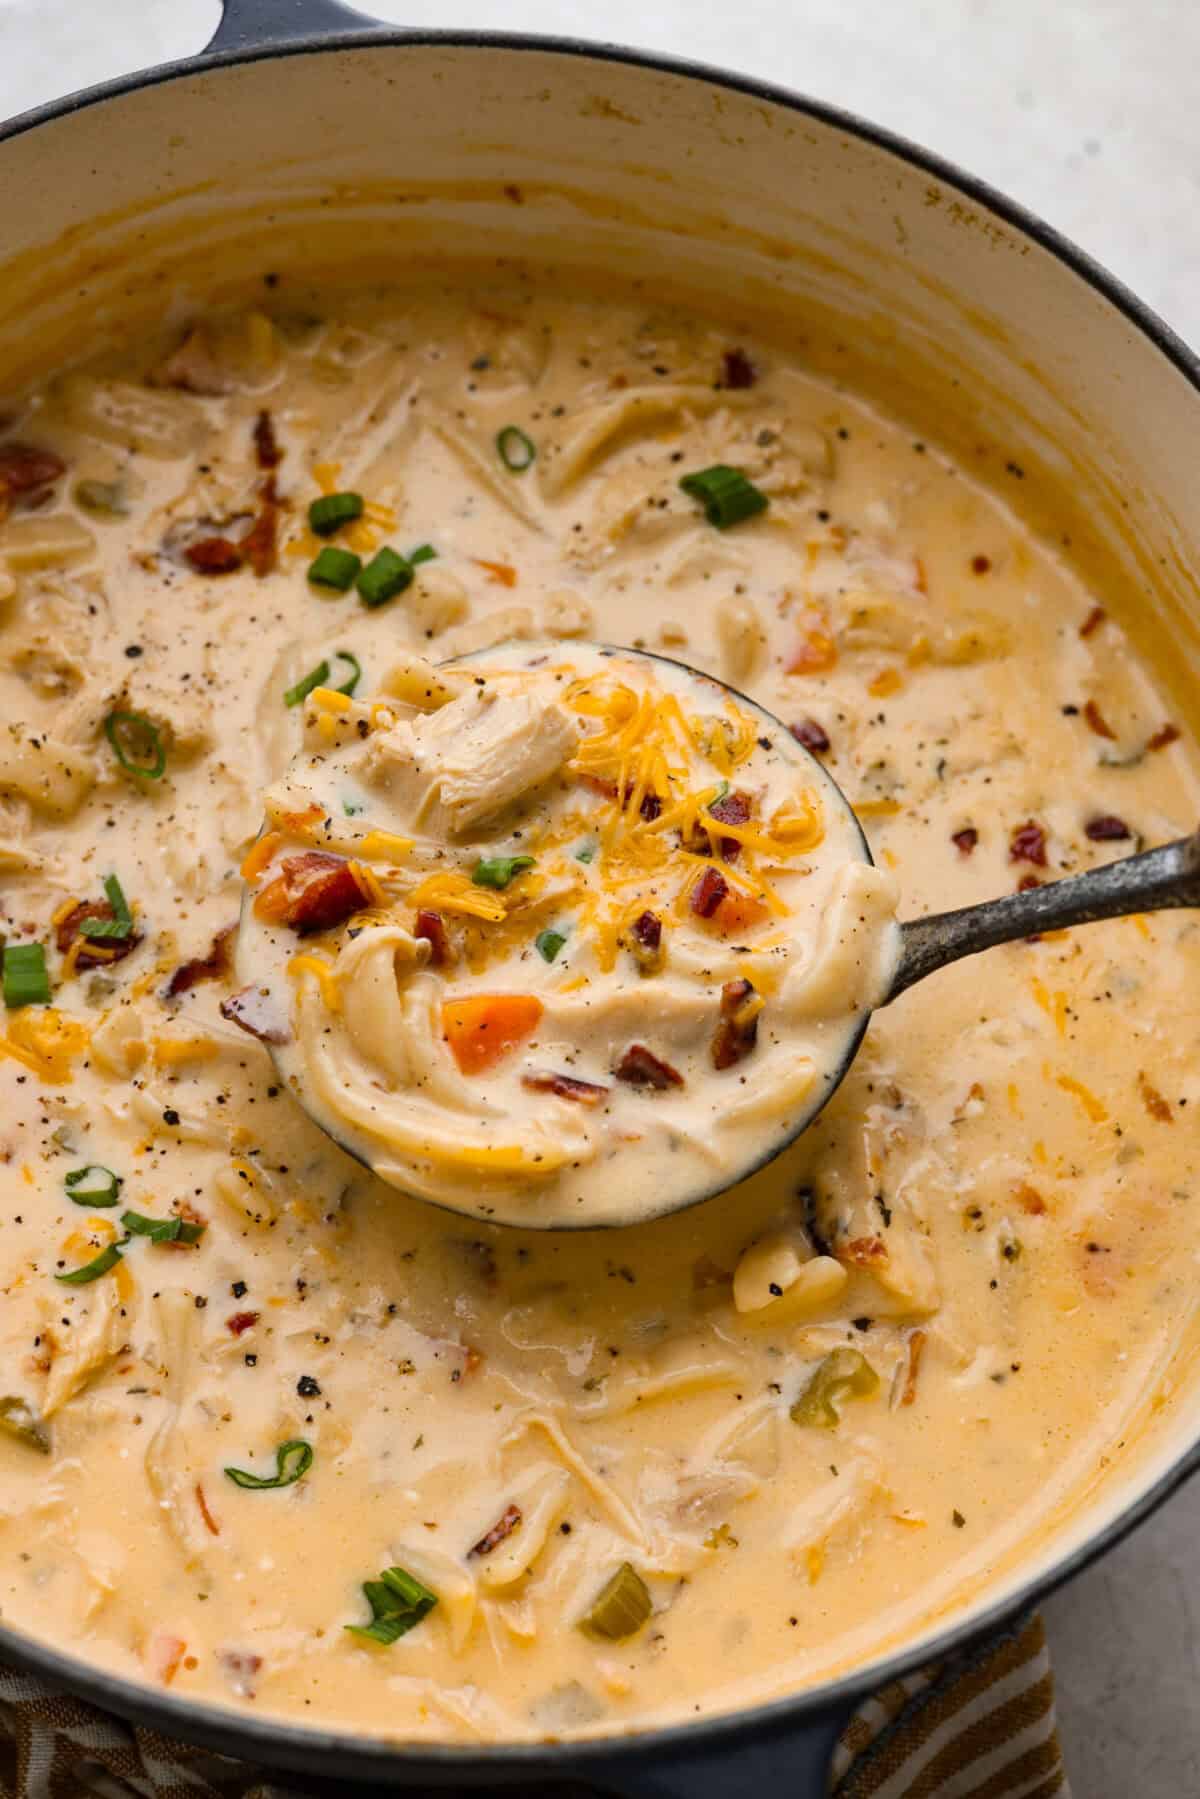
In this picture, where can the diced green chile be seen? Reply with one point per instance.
(292, 1462)
(498, 871)
(620, 1608)
(398, 1602)
(18, 1419)
(844, 1374)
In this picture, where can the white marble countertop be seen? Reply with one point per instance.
(1086, 111)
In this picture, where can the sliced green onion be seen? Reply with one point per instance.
(726, 495)
(586, 853)
(620, 1608)
(549, 943)
(351, 808)
(335, 568)
(91, 1271)
(161, 1230)
(424, 552)
(94, 1185)
(498, 871)
(517, 451)
(137, 744)
(316, 677)
(26, 982)
(333, 510)
(121, 922)
(355, 676)
(398, 1601)
(387, 574)
(18, 1419)
(844, 1374)
(292, 1462)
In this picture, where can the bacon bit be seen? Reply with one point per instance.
(863, 1251)
(259, 546)
(737, 370)
(737, 1032)
(817, 651)
(214, 556)
(240, 1666)
(1107, 828)
(266, 445)
(1029, 1199)
(733, 809)
(813, 736)
(1166, 734)
(980, 565)
(1097, 722)
(1025, 883)
(650, 807)
(502, 572)
(210, 1523)
(645, 942)
(504, 1526)
(1154, 1102)
(432, 928)
(638, 1067)
(1028, 844)
(25, 469)
(916, 1349)
(93, 952)
(708, 893)
(213, 967)
(242, 1321)
(566, 1086)
(965, 840)
(250, 1009)
(1093, 621)
(164, 1655)
(314, 892)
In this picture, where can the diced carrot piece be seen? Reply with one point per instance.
(485, 1027)
(736, 913)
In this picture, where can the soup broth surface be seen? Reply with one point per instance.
(796, 1425)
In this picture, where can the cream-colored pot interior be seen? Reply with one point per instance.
(357, 157)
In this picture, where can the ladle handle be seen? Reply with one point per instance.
(1169, 876)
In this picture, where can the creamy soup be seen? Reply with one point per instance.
(519, 942)
(275, 1433)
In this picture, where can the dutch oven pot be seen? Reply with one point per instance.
(306, 135)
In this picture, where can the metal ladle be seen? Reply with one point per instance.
(1151, 881)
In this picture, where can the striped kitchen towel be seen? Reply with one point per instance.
(980, 1726)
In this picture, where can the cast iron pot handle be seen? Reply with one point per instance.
(261, 24)
(792, 1762)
